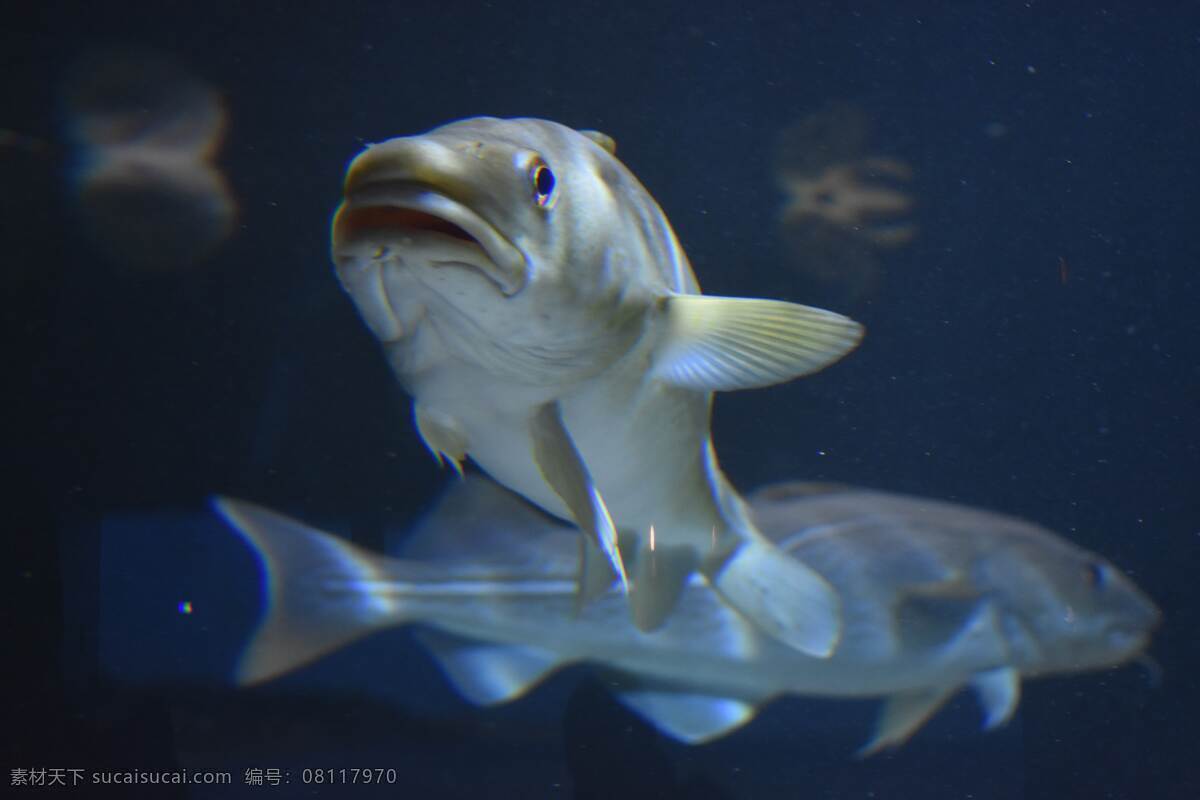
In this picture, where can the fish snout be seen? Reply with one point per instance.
(1129, 629)
(409, 159)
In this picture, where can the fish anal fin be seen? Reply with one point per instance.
(489, 674)
(563, 469)
(999, 693)
(442, 435)
(728, 343)
(782, 596)
(659, 577)
(901, 716)
(688, 716)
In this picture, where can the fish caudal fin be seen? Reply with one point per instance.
(319, 591)
(782, 596)
(561, 465)
(717, 344)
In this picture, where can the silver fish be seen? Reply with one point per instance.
(935, 597)
(534, 301)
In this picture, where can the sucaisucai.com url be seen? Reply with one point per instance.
(58, 776)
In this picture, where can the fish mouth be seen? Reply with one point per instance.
(377, 215)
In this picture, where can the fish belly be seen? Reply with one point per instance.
(644, 444)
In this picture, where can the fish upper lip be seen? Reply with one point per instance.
(510, 272)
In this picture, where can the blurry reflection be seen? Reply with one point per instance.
(844, 206)
(147, 130)
(28, 198)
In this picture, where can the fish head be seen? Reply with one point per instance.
(495, 231)
(1066, 609)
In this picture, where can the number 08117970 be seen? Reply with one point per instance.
(348, 775)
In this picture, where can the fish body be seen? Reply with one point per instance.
(533, 299)
(934, 597)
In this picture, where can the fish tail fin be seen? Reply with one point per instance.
(321, 592)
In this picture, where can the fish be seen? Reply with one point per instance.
(534, 301)
(935, 598)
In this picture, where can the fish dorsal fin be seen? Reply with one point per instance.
(488, 674)
(902, 714)
(788, 491)
(603, 139)
(690, 717)
(716, 344)
(476, 519)
(999, 692)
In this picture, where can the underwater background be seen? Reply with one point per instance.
(1033, 347)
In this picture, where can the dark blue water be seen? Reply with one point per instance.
(1035, 350)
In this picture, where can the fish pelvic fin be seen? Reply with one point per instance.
(563, 469)
(716, 344)
(999, 693)
(689, 717)
(319, 591)
(596, 575)
(780, 595)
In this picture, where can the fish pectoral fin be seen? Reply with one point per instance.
(690, 717)
(999, 692)
(782, 596)
(936, 614)
(726, 343)
(442, 435)
(561, 465)
(301, 622)
(659, 577)
(900, 717)
(488, 674)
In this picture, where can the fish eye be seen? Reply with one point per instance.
(1096, 574)
(543, 184)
